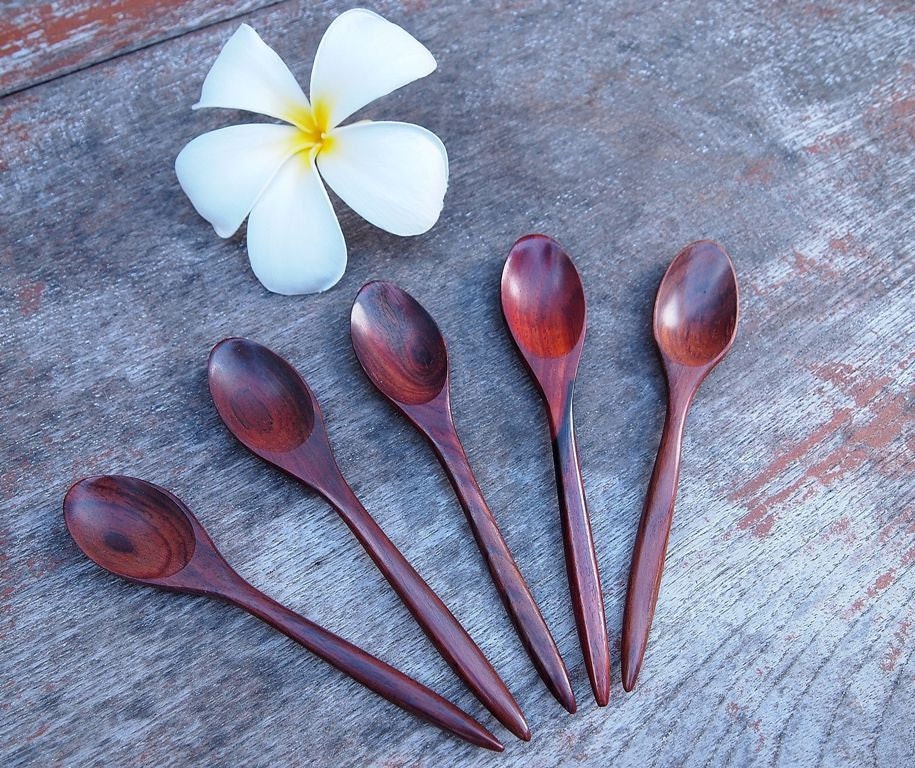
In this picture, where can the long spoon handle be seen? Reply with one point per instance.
(651, 542)
(374, 674)
(512, 588)
(439, 624)
(581, 559)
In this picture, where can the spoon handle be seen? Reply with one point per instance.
(439, 624)
(374, 674)
(651, 542)
(515, 594)
(581, 559)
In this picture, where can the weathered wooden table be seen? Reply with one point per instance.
(784, 633)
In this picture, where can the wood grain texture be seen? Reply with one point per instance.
(272, 411)
(43, 40)
(404, 354)
(623, 129)
(695, 322)
(544, 305)
(143, 533)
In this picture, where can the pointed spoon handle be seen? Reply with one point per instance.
(581, 559)
(651, 541)
(439, 624)
(515, 594)
(374, 674)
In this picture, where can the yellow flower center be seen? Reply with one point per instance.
(314, 128)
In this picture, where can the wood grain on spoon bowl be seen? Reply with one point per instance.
(542, 297)
(129, 527)
(398, 344)
(275, 411)
(695, 315)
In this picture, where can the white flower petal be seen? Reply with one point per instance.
(224, 172)
(294, 241)
(392, 174)
(248, 74)
(361, 58)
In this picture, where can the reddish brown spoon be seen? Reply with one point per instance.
(404, 355)
(695, 322)
(272, 411)
(544, 306)
(142, 533)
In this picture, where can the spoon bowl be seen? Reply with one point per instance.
(695, 316)
(398, 344)
(273, 412)
(542, 298)
(128, 527)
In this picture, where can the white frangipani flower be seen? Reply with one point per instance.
(392, 174)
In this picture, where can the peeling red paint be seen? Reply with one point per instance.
(759, 520)
(895, 651)
(30, 297)
(50, 24)
(847, 245)
(777, 466)
(876, 421)
(827, 143)
(903, 523)
(43, 41)
(847, 378)
(806, 265)
(839, 528)
(891, 659)
(41, 730)
(760, 171)
(883, 581)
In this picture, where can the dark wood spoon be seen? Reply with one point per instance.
(544, 306)
(273, 412)
(695, 322)
(143, 533)
(403, 353)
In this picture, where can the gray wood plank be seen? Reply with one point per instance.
(784, 631)
(41, 41)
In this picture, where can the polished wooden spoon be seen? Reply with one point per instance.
(143, 533)
(695, 322)
(404, 354)
(272, 411)
(544, 307)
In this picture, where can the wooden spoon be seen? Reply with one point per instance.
(404, 354)
(272, 411)
(695, 322)
(544, 306)
(142, 533)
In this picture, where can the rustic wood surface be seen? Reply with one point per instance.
(784, 635)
